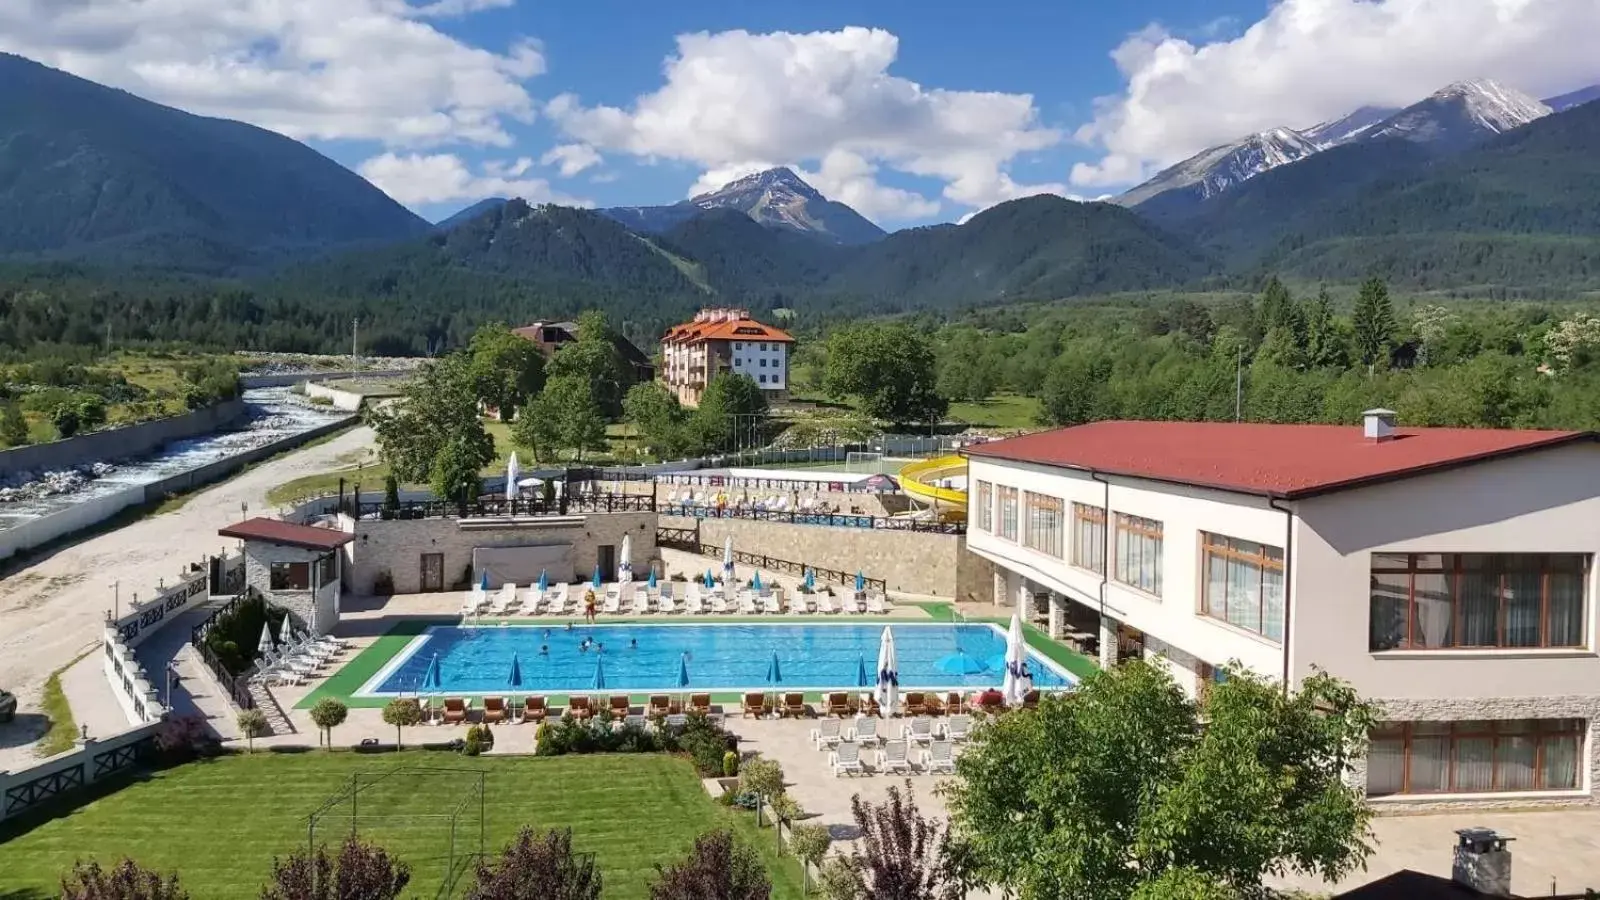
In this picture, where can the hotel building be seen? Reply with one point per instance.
(1448, 574)
(724, 340)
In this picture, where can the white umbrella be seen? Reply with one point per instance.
(264, 646)
(1017, 681)
(285, 632)
(888, 673)
(727, 562)
(625, 566)
(512, 471)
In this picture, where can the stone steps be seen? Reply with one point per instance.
(277, 721)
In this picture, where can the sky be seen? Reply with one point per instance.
(911, 112)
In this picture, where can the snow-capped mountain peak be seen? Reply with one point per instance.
(1347, 128)
(777, 198)
(1460, 114)
(1215, 169)
(779, 181)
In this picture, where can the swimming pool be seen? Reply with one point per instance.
(727, 658)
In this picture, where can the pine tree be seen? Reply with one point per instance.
(13, 428)
(1373, 321)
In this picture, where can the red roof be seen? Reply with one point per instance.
(1271, 460)
(273, 531)
(726, 330)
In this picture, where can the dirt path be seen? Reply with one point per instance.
(54, 610)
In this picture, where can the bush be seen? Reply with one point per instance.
(701, 740)
(234, 635)
(128, 881)
(252, 724)
(65, 419)
(718, 868)
(362, 870)
(730, 764)
(537, 866)
(13, 428)
(183, 738)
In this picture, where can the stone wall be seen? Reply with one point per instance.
(120, 443)
(397, 546)
(319, 611)
(909, 562)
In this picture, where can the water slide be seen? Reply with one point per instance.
(939, 483)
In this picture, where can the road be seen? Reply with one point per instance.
(54, 610)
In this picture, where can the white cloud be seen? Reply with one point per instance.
(852, 180)
(734, 97)
(325, 69)
(417, 179)
(571, 159)
(1312, 60)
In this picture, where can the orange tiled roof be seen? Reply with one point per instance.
(729, 330)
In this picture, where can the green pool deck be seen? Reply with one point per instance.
(343, 683)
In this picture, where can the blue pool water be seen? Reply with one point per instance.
(726, 657)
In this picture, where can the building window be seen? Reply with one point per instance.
(1008, 512)
(763, 379)
(763, 362)
(1043, 529)
(1242, 584)
(1139, 553)
(1428, 601)
(1089, 538)
(327, 571)
(1475, 757)
(290, 576)
(737, 345)
(983, 506)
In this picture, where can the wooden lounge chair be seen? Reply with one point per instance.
(581, 708)
(533, 710)
(872, 708)
(494, 709)
(914, 705)
(620, 706)
(1030, 700)
(846, 759)
(660, 705)
(700, 703)
(932, 705)
(755, 704)
(455, 710)
(839, 704)
(794, 705)
(953, 704)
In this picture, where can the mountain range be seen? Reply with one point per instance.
(1474, 187)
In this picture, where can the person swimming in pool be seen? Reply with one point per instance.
(633, 643)
(544, 649)
(569, 626)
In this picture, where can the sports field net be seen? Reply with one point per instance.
(863, 462)
(433, 819)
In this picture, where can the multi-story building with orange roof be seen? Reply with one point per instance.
(724, 340)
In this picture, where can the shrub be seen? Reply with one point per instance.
(182, 738)
(730, 764)
(234, 635)
(703, 742)
(472, 746)
(252, 724)
(902, 855)
(391, 497)
(838, 879)
(810, 843)
(537, 866)
(91, 412)
(13, 428)
(328, 714)
(763, 777)
(401, 712)
(718, 868)
(65, 419)
(362, 872)
(128, 881)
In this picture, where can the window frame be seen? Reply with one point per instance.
(983, 503)
(1149, 530)
(1093, 517)
(1453, 568)
(1003, 492)
(288, 584)
(1575, 729)
(1044, 507)
(1219, 545)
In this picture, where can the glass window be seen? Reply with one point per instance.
(1139, 553)
(737, 345)
(763, 378)
(983, 506)
(763, 348)
(290, 576)
(1242, 584)
(1089, 538)
(1425, 601)
(1008, 512)
(1042, 530)
(1474, 757)
(763, 362)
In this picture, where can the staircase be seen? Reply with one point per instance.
(277, 722)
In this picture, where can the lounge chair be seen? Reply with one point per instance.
(1030, 700)
(700, 703)
(895, 757)
(914, 704)
(635, 721)
(845, 759)
(747, 603)
(580, 708)
(875, 605)
(532, 600)
(675, 722)
(691, 597)
(755, 704)
(641, 602)
(719, 603)
(533, 710)
(769, 603)
(620, 706)
(918, 730)
(864, 732)
(794, 705)
(828, 733)
(557, 602)
(958, 727)
(839, 704)
(494, 709)
(455, 710)
(667, 605)
(612, 605)
(825, 603)
(939, 757)
(660, 705)
(931, 705)
(953, 703)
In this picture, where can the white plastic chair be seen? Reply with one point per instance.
(919, 730)
(958, 727)
(827, 733)
(846, 759)
(864, 731)
(939, 757)
(895, 757)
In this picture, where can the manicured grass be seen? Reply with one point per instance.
(219, 823)
(999, 411)
(63, 728)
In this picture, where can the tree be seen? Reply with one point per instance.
(903, 855)
(437, 407)
(1325, 346)
(391, 495)
(401, 712)
(1278, 310)
(456, 464)
(13, 428)
(1373, 321)
(593, 359)
(127, 881)
(718, 868)
(889, 368)
(1075, 390)
(566, 416)
(65, 418)
(1430, 324)
(967, 369)
(91, 412)
(538, 866)
(762, 777)
(507, 370)
(657, 418)
(1098, 794)
(732, 414)
(362, 871)
(810, 843)
(328, 714)
(252, 724)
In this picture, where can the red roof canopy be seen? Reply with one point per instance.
(273, 531)
(1271, 460)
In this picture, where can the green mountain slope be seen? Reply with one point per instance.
(87, 171)
(740, 258)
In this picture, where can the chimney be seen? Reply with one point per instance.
(1482, 862)
(1378, 424)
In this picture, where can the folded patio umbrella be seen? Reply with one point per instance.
(512, 471)
(264, 646)
(430, 678)
(811, 579)
(863, 680)
(774, 677)
(727, 560)
(625, 565)
(599, 682)
(285, 633)
(651, 584)
(544, 581)
(483, 582)
(683, 675)
(1017, 681)
(861, 582)
(515, 678)
(596, 580)
(888, 673)
(756, 582)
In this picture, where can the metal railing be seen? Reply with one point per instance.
(688, 540)
(238, 686)
(585, 502)
(834, 520)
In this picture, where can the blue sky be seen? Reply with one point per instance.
(912, 112)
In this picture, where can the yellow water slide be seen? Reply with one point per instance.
(921, 481)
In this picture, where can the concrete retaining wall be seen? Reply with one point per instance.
(120, 443)
(90, 761)
(287, 378)
(349, 401)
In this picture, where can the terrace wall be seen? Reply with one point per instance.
(120, 443)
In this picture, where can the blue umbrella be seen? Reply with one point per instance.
(544, 581)
(599, 683)
(430, 678)
(861, 582)
(756, 582)
(774, 673)
(862, 678)
(483, 583)
(710, 582)
(596, 581)
(651, 584)
(683, 671)
(515, 679)
(811, 579)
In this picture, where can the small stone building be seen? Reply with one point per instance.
(296, 567)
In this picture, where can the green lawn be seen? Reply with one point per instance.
(999, 411)
(220, 822)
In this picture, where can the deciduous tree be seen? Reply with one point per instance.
(438, 409)
(658, 419)
(732, 414)
(538, 865)
(507, 370)
(126, 881)
(362, 871)
(903, 855)
(401, 712)
(594, 359)
(890, 368)
(718, 868)
(567, 417)
(328, 714)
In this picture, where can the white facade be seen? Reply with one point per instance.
(1540, 502)
(724, 340)
(765, 361)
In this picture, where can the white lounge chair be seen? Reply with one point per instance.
(769, 603)
(532, 600)
(747, 603)
(476, 600)
(558, 600)
(667, 605)
(827, 733)
(864, 731)
(612, 604)
(939, 757)
(895, 757)
(825, 602)
(845, 759)
(875, 604)
(719, 603)
(918, 730)
(958, 727)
